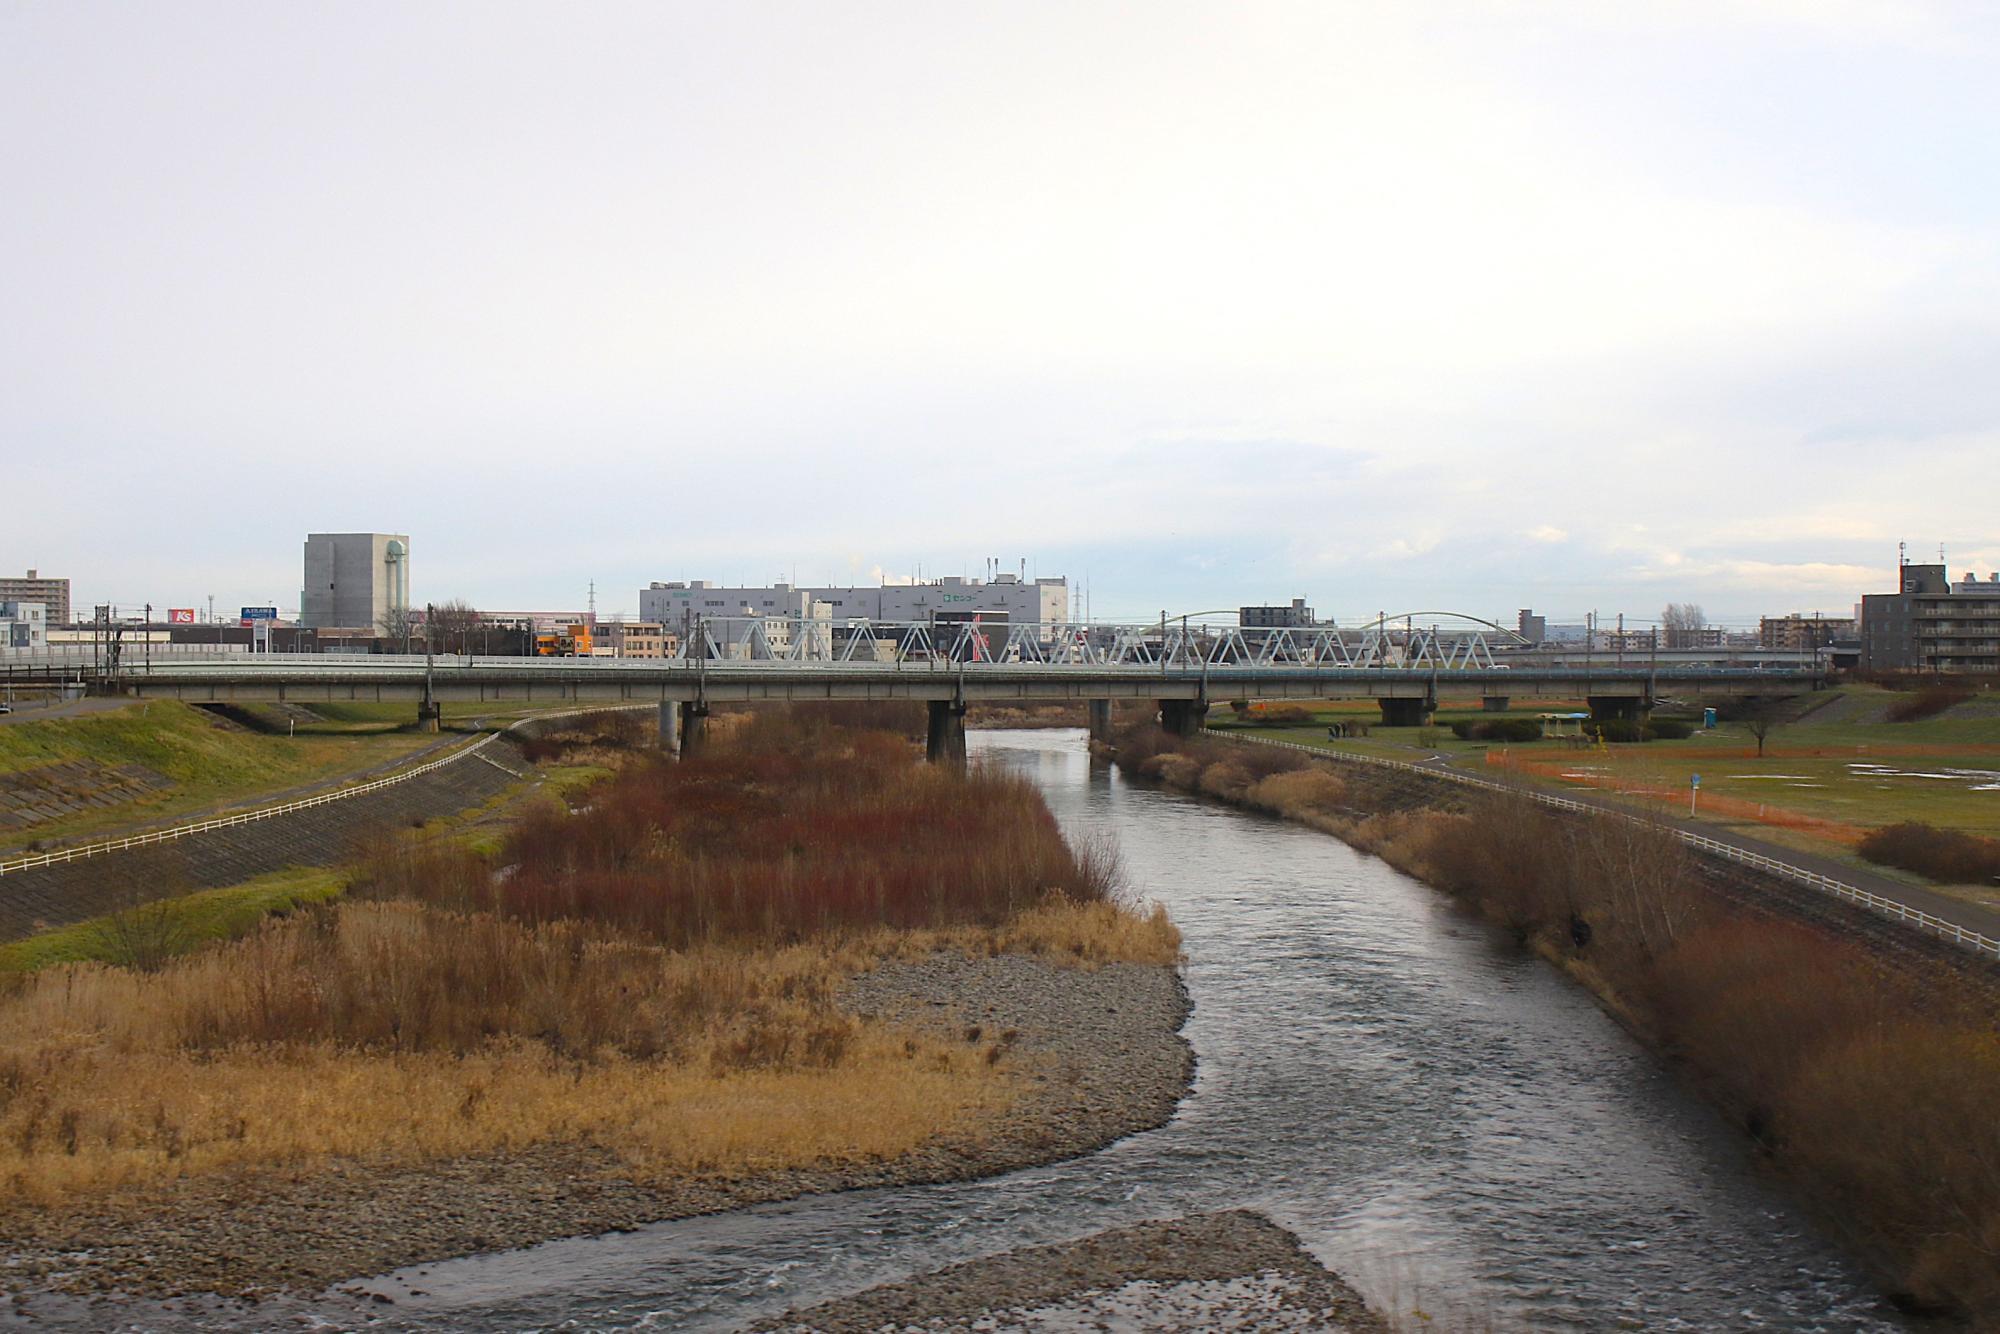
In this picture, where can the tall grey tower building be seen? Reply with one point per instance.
(355, 580)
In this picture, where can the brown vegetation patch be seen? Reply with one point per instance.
(1947, 856)
(1926, 703)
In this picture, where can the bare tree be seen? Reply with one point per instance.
(1680, 621)
(1760, 719)
(399, 624)
(454, 626)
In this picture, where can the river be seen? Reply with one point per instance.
(1441, 1117)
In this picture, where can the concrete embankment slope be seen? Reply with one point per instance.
(38, 897)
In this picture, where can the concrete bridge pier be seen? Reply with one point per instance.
(430, 715)
(1183, 717)
(1405, 712)
(1100, 719)
(694, 727)
(1619, 708)
(945, 741)
(670, 727)
(1494, 703)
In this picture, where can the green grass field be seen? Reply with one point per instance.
(173, 926)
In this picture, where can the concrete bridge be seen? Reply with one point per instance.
(684, 688)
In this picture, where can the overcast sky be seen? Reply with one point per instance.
(1392, 306)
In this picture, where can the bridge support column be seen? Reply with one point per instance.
(430, 715)
(670, 727)
(945, 742)
(1405, 712)
(1619, 708)
(694, 727)
(1100, 719)
(1183, 717)
(1494, 703)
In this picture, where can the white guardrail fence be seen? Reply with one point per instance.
(84, 850)
(1902, 912)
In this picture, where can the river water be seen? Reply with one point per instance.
(1439, 1116)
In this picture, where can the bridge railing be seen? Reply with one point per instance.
(1903, 912)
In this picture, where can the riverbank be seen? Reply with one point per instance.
(1863, 1073)
(1234, 1270)
(1097, 1054)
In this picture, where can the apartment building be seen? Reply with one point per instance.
(1932, 624)
(51, 593)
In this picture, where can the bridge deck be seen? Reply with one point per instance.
(307, 677)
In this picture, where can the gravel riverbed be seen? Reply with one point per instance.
(1234, 1270)
(1104, 1047)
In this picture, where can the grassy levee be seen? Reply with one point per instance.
(1824, 782)
(1871, 1083)
(191, 762)
(653, 976)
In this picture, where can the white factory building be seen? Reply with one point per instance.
(1006, 597)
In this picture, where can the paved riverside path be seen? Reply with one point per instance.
(318, 836)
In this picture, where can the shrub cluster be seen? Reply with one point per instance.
(1926, 703)
(610, 729)
(1498, 729)
(793, 827)
(1621, 731)
(1944, 855)
(1618, 731)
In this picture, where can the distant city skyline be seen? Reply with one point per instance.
(1474, 306)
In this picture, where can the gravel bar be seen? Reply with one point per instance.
(1235, 1270)
(1105, 1043)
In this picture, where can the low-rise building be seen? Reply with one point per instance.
(1693, 636)
(1004, 598)
(24, 625)
(1932, 624)
(635, 639)
(1803, 634)
(1276, 618)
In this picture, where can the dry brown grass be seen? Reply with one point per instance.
(442, 1017)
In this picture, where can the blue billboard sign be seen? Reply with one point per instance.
(260, 613)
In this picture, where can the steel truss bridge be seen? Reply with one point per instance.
(1174, 644)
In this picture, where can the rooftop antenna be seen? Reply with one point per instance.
(593, 602)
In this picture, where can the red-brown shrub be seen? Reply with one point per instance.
(792, 827)
(1945, 855)
(1926, 703)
